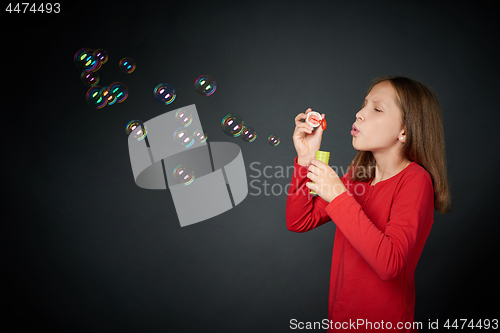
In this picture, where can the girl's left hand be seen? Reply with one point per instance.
(327, 183)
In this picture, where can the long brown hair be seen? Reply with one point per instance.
(424, 143)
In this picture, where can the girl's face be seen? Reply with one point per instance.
(379, 123)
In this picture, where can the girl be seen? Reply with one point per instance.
(383, 207)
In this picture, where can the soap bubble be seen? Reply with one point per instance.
(106, 93)
(164, 93)
(140, 133)
(119, 90)
(127, 65)
(273, 140)
(232, 124)
(101, 55)
(205, 85)
(96, 66)
(132, 125)
(183, 174)
(89, 79)
(248, 134)
(200, 136)
(84, 59)
(137, 129)
(182, 137)
(95, 98)
(182, 117)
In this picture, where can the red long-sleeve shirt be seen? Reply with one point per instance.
(380, 233)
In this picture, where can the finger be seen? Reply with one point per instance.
(313, 177)
(299, 117)
(303, 127)
(308, 110)
(312, 168)
(319, 129)
(301, 130)
(319, 165)
(312, 186)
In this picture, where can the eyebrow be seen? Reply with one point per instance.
(376, 101)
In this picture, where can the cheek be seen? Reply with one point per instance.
(386, 129)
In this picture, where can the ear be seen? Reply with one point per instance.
(402, 136)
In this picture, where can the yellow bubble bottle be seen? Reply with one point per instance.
(323, 156)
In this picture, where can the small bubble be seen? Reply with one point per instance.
(105, 93)
(119, 90)
(164, 93)
(95, 99)
(137, 129)
(273, 140)
(205, 85)
(101, 55)
(182, 136)
(84, 59)
(89, 79)
(183, 174)
(184, 118)
(232, 124)
(248, 134)
(200, 136)
(132, 125)
(127, 65)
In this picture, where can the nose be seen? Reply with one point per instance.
(359, 115)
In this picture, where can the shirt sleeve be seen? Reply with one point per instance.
(387, 252)
(304, 211)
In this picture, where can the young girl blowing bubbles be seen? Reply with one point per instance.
(383, 207)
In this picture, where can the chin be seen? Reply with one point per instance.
(357, 146)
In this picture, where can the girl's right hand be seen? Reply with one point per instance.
(306, 141)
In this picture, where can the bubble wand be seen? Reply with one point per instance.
(314, 119)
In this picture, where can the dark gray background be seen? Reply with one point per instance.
(87, 250)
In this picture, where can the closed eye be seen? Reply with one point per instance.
(378, 110)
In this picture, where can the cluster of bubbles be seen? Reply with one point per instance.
(184, 135)
(98, 97)
(233, 125)
(164, 93)
(89, 61)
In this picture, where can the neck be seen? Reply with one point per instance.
(388, 166)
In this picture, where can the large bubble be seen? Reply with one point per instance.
(205, 85)
(164, 93)
(95, 99)
(232, 124)
(119, 91)
(85, 60)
